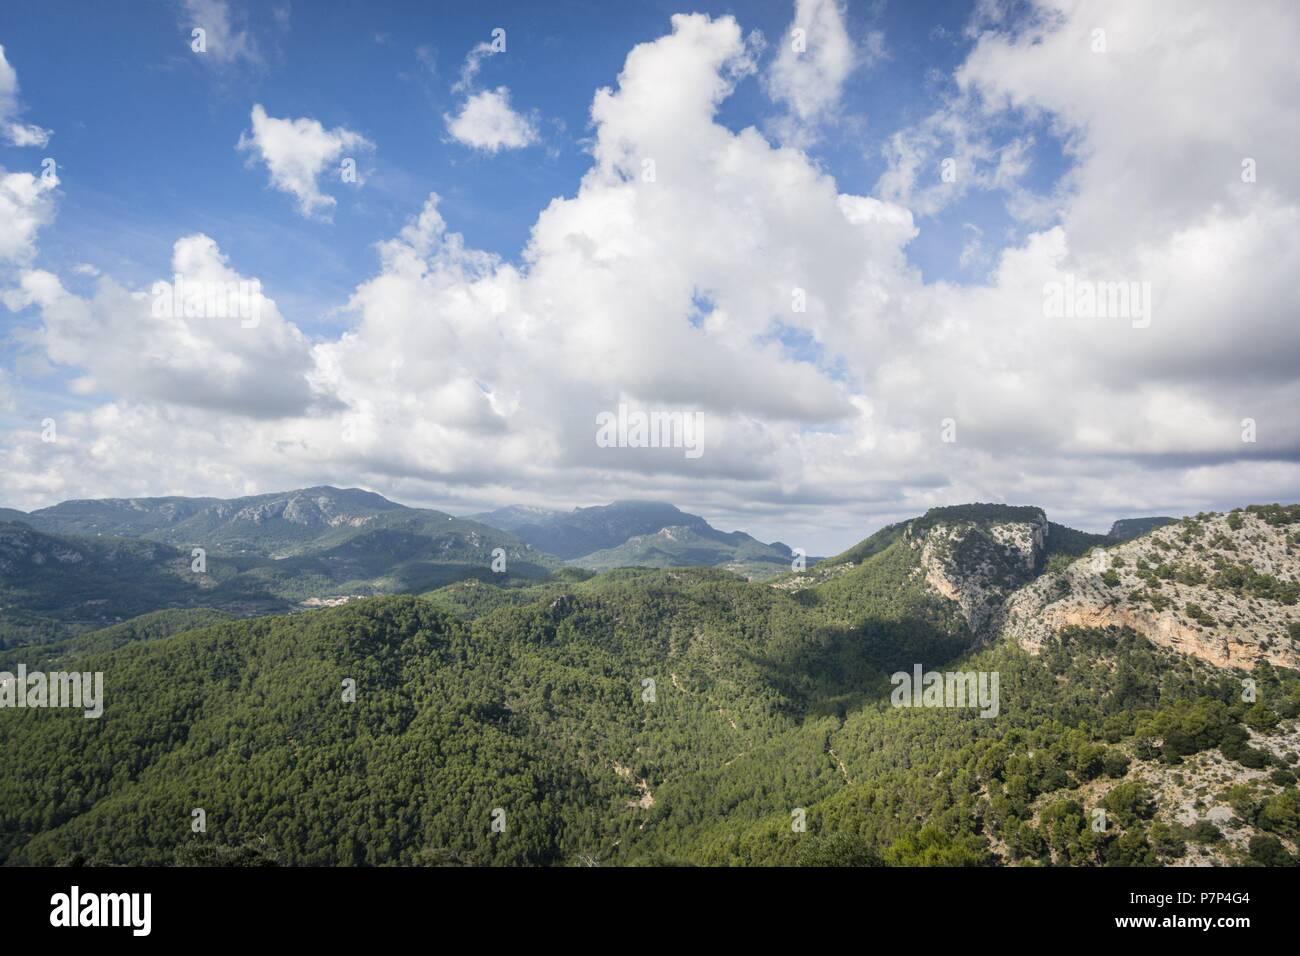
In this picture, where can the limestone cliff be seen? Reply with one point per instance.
(1221, 587)
(978, 563)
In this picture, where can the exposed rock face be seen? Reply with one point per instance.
(1219, 587)
(978, 564)
(184, 521)
(312, 509)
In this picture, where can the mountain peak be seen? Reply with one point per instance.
(981, 512)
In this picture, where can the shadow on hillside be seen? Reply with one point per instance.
(836, 670)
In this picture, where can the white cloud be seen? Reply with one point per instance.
(1158, 127)
(487, 122)
(26, 204)
(466, 376)
(15, 133)
(816, 56)
(225, 43)
(939, 160)
(470, 68)
(297, 152)
(973, 253)
(217, 347)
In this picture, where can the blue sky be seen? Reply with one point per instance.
(1095, 140)
(146, 130)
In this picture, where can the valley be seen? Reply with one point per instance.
(680, 715)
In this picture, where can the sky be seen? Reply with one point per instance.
(881, 256)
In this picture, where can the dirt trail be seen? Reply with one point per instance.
(839, 763)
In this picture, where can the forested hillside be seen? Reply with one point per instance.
(259, 558)
(53, 586)
(662, 716)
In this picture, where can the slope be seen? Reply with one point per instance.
(644, 716)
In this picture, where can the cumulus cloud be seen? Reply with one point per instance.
(14, 132)
(487, 122)
(296, 152)
(485, 119)
(700, 269)
(205, 337)
(26, 204)
(1158, 127)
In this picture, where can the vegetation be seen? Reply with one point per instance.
(635, 717)
(534, 701)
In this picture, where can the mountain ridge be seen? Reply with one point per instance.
(644, 716)
(638, 533)
(1221, 587)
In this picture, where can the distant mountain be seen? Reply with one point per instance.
(411, 549)
(52, 586)
(586, 530)
(686, 546)
(262, 524)
(638, 534)
(1127, 528)
(350, 533)
(85, 564)
(514, 517)
(152, 626)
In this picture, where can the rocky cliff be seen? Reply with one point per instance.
(978, 562)
(1221, 587)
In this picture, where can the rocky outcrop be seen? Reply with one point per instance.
(978, 564)
(1220, 587)
(311, 509)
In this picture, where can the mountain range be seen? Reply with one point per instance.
(652, 534)
(87, 563)
(687, 715)
(82, 564)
